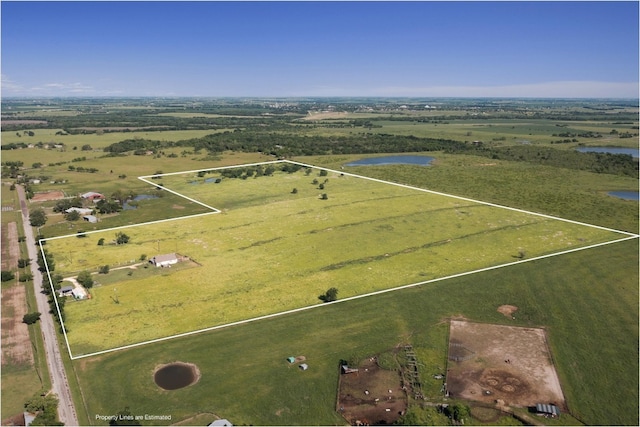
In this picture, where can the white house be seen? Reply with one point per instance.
(164, 260)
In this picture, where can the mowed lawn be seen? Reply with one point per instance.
(273, 250)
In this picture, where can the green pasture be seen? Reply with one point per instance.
(96, 140)
(571, 194)
(587, 301)
(271, 250)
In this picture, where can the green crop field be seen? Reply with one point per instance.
(272, 250)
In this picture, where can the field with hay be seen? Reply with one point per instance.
(278, 244)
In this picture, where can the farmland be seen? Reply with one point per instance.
(271, 249)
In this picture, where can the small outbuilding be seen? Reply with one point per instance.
(92, 195)
(91, 218)
(164, 260)
(81, 211)
(291, 359)
(303, 366)
(547, 410)
(65, 291)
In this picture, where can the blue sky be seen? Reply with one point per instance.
(288, 49)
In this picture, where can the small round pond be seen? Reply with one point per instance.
(176, 375)
(393, 160)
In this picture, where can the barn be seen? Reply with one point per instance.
(93, 196)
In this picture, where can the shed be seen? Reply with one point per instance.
(92, 195)
(81, 211)
(65, 290)
(91, 218)
(543, 409)
(164, 260)
(291, 359)
(304, 366)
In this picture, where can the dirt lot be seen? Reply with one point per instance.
(16, 346)
(489, 362)
(371, 396)
(10, 246)
(49, 195)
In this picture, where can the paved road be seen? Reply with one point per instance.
(59, 383)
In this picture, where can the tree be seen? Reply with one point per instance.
(121, 238)
(7, 275)
(324, 196)
(124, 418)
(101, 241)
(294, 191)
(85, 279)
(37, 217)
(86, 147)
(330, 295)
(323, 172)
(104, 269)
(24, 262)
(46, 261)
(45, 407)
(31, 318)
(72, 216)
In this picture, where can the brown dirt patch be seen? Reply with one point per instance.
(177, 207)
(49, 195)
(507, 310)
(372, 395)
(16, 345)
(501, 362)
(10, 246)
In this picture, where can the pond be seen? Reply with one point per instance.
(126, 206)
(627, 195)
(176, 375)
(393, 160)
(612, 150)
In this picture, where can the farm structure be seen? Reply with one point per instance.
(81, 211)
(165, 260)
(547, 410)
(93, 196)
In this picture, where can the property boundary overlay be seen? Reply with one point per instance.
(213, 210)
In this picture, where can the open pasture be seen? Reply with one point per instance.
(273, 250)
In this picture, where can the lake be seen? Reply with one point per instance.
(393, 160)
(627, 195)
(612, 150)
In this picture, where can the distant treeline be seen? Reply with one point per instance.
(615, 164)
(289, 145)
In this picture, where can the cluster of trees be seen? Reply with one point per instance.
(615, 164)
(286, 145)
(45, 406)
(73, 168)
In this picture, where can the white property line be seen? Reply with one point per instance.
(215, 211)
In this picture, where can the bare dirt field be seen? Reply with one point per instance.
(490, 362)
(49, 195)
(10, 246)
(16, 346)
(371, 396)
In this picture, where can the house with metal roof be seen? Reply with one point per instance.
(164, 260)
(547, 410)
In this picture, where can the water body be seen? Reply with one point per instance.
(627, 195)
(126, 206)
(394, 160)
(176, 375)
(635, 152)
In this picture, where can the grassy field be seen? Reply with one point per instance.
(271, 250)
(576, 195)
(589, 309)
